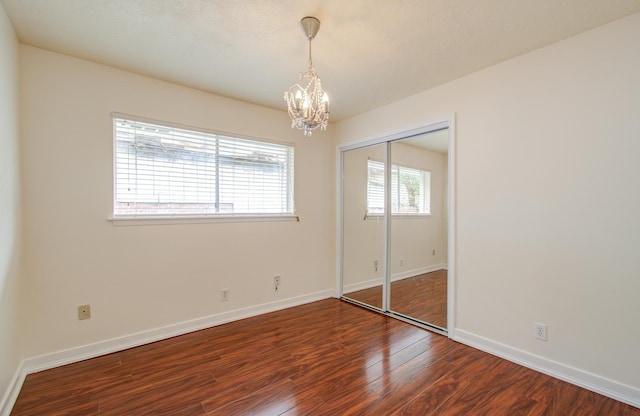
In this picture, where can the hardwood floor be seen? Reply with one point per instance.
(422, 297)
(323, 358)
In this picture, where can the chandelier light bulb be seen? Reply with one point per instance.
(298, 99)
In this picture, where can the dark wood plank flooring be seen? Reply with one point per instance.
(323, 358)
(422, 297)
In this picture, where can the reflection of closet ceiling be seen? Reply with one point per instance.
(437, 141)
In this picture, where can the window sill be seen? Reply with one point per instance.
(196, 219)
(397, 216)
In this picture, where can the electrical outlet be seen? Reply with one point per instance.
(433, 252)
(540, 331)
(224, 295)
(375, 265)
(84, 312)
(401, 262)
(276, 283)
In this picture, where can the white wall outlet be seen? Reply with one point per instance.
(224, 295)
(401, 262)
(375, 265)
(540, 331)
(276, 283)
(433, 252)
(84, 312)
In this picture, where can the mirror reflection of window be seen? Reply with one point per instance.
(410, 189)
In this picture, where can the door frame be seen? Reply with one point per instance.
(421, 128)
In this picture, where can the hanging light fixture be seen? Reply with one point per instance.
(308, 104)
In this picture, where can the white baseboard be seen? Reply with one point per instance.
(56, 359)
(354, 287)
(13, 390)
(581, 378)
(416, 272)
(598, 384)
(84, 352)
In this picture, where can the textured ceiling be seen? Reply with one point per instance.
(368, 52)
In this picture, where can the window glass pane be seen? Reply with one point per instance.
(163, 170)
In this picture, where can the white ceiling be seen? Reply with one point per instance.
(368, 52)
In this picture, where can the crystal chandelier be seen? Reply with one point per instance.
(307, 103)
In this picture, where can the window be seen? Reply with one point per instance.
(169, 171)
(410, 190)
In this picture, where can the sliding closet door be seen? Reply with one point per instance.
(418, 229)
(397, 226)
(363, 225)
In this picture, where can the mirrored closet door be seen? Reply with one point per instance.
(418, 246)
(363, 245)
(395, 234)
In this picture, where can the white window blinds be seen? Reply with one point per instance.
(161, 170)
(375, 187)
(410, 189)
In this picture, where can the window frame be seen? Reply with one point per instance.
(196, 218)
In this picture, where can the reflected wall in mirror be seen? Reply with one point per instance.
(363, 225)
(419, 232)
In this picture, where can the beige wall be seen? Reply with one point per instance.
(138, 278)
(10, 271)
(548, 197)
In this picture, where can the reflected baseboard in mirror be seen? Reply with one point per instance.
(422, 297)
(371, 296)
